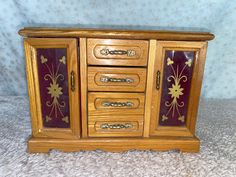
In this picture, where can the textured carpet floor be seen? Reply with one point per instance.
(216, 128)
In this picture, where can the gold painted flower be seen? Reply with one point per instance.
(175, 91)
(181, 118)
(169, 61)
(63, 60)
(65, 119)
(164, 118)
(43, 59)
(48, 118)
(54, 90)
(189, 63)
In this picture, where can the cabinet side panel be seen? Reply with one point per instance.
(31, 87)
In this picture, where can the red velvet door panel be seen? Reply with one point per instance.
(176, 85)
(53, 83)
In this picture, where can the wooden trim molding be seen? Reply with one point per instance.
(84, 86)
(183, 144)
(149, 87)
(116, 34)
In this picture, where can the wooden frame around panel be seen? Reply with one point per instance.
(162, 46)
(84, 87)
(31, 44)
(149, 87)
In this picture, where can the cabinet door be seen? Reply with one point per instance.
(178, 74)
(52, 72)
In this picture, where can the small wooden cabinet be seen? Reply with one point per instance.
(113, 90)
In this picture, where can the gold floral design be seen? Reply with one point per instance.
(189, 63)
(164, 118)
(181, 118)
(54, 90)
(43, 60)
(169, 61)
(175, 91)
(65, 119)
(48, 118)
(63, 60)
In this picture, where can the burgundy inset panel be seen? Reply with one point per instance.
(53, 83)
(178, 70)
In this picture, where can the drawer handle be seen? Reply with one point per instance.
(72, 81)
(117, 104)
(158, 79)
(129, 53)
(116, 126)
(110, 79)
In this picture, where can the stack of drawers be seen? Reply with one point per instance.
(116, 87)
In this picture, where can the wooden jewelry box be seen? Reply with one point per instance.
(114, 90)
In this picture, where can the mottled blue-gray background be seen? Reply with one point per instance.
(218, 16)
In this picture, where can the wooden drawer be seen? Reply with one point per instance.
(117, 52)
(102, 103)
(115, 126)
(116, 79)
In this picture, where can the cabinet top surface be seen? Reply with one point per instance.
(121, 32)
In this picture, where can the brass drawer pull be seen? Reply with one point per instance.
(72, 81)
(116, 126)
(109, 79)
(158, 78)
(117, 104)
(129, 53)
